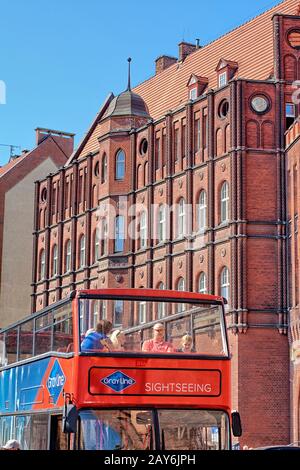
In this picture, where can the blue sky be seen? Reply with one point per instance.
(60, 59)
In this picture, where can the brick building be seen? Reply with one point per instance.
(17, 179)
(205, 135)
(293, 166)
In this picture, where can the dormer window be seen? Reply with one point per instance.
(222, 79)
(193, 93)
(196, 86)
(226, 70)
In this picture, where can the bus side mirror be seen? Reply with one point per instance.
(236, 424)
(69, 419)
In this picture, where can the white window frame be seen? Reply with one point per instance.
(193, 93)
(181, 221)
(223, 79)
(119, 233)
(290, 114)
(202, 284)
(82, 251)
(120, 303)
(68, 256)
(161, 223)
(143, 230)
(225, 283)
(54, 261)
(225, 202)
(180, 288)
(142, 312)
(202, 211)
(120, 165)
(161, 306)
(42, 265)
(96, 246)
(104, 169)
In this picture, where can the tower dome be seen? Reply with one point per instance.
(127, 104)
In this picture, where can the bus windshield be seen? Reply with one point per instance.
(127, 429)
(179, 328)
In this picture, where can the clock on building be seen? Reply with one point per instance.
(260, 104)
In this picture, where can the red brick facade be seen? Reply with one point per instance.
(217, 143)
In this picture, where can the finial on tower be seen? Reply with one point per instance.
(129, 84)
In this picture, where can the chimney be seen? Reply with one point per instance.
(64, 139)
(163, 62)
(186, 48)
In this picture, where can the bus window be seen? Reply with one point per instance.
(3, 357)
(43, 334)
(11, 344)
(115, 430)
(203, 322)
(63, 329)
(6, 429)
(26, 340)
(193, 430)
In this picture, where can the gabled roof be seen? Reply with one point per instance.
(196, 79)
(226, 63)
(250, 45)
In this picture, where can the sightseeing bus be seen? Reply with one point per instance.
(56, 395)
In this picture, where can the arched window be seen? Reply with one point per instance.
(143, 230)
(202, 211)
(181, 288)
(82, 251)
(225, 202)
(142, 312)
(161, 306)
(120, 165)
(54, 261)
(96, 246)
(119, 233)
(225, 283)
(161, 223)
(104, 169)
(68, 256)
(181, 228)
(103, 237)
(202, 287)
(42, 265)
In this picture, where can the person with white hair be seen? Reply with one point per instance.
(118, 340)
(158, 343)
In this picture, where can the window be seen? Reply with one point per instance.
(103, 237)
(118, 312)
(202, 214)
(82, 251)
(142, 312)
(157, 152)
(223, 109)
(96, 245)
(54, 261)
(180, 288)
(197, 135)
(183, 140)
(161, 223)
(161, 306)
(143, 230)
(181, 218)
(120, 165)
(119, 233)
(225, 283)
(176, 145)
(290, 114)
(164, 147)
(104, 169)
(68, 256)
(222, 79)
(42, 265)
(225, 202)
(202, 288)
(193, 93)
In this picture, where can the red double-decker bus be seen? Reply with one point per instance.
(57, 391)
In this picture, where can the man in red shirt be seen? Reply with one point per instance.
(158, 343)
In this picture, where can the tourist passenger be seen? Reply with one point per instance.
(118, 340)
(186, 344)
(158, 343)
(98, 339)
